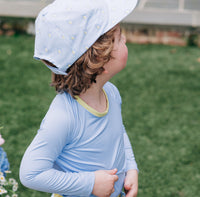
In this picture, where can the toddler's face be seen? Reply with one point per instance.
(119, 53)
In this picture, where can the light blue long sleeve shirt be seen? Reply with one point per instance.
(74, 141)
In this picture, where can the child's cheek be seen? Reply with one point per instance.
(125, 55)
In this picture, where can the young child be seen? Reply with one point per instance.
(82, 148)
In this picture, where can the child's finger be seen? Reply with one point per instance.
(111, 172)
(115, 178)
(127, 186)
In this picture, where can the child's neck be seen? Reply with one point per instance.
(95, 97)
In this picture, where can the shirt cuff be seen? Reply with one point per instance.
(131, 165)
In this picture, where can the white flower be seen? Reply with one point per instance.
(7, 196)
(12, 181)
(15, 187)
(2, 191)
(16, 184)
(2, 179)
(14, 195)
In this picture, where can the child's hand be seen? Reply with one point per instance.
(104, 182)
(131, 183)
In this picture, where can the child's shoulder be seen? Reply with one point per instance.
(62, 101)
(60, 113)
(112, 91)
(61, 106)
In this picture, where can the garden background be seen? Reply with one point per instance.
(160, 89)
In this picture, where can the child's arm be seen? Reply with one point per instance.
(130, 158)
(37, 172)
(131, 180)
(37, 167)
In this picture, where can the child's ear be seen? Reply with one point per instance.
(105, 71)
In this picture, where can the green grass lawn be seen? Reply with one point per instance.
(160, 88)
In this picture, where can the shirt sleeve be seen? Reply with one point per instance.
(130, 158)
(129, 155)
(37, 167)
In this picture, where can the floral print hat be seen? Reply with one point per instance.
(66, 29)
